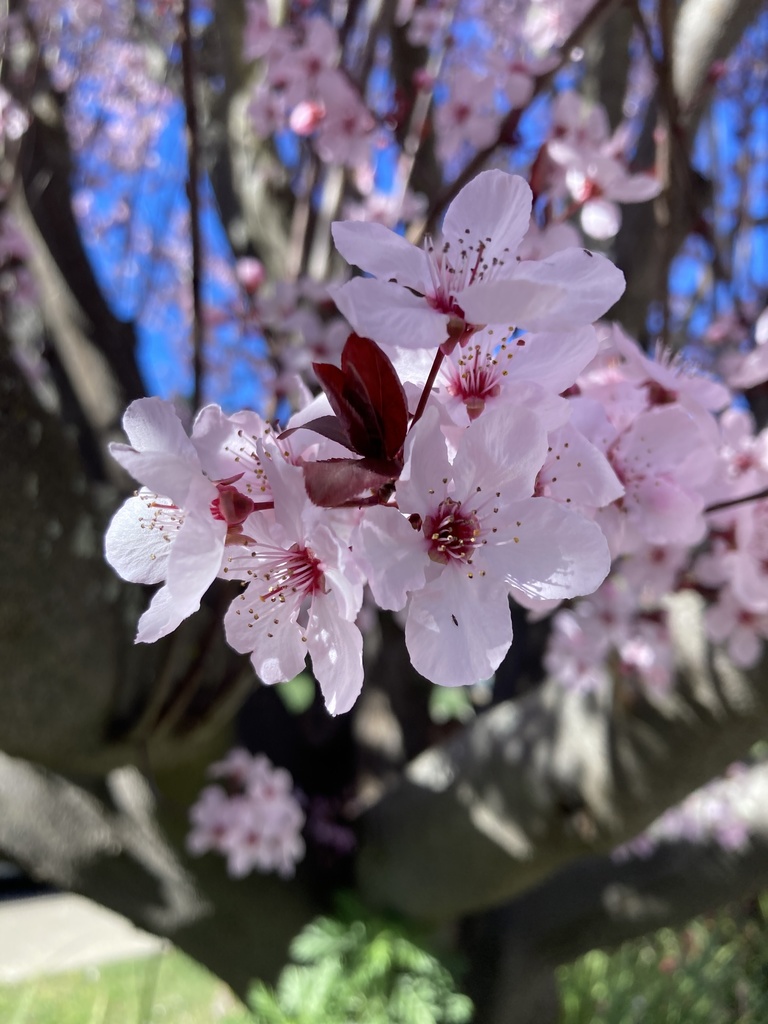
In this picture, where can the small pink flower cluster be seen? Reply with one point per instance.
(584, 161)
(254, 819)
(303, 89)
(720, 812)
(692, 516)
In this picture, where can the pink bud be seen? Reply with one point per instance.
(306, 116)
(250, 273)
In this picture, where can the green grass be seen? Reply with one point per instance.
(715, 971)
(167, 989)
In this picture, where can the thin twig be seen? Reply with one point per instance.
(427, 389)
(190, 104)
(732, 502)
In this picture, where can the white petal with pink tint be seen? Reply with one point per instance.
(458, 630)
(276, 648)
(152, 424)
(493, 209)
(138, 541)
(552, 552)
(381, 252)
(336, 647)
(391, 314)
(600, 218)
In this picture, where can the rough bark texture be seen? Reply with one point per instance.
(535, 783)
(118, 845)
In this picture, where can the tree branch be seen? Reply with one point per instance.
(535, 783)
(122, 849)
(601, 902)
(193, 195)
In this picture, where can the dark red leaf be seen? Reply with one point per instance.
(334, 482)
(368, 399)
(352, 419)
(329, 426)
(370, 373)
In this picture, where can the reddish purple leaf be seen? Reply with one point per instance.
(372, 375)
(368, 399)
(334, 482)
(328, 426)
(352, 419)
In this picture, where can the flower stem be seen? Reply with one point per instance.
(736, 501)
(427, 389)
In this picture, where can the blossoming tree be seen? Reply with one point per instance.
(460, 335)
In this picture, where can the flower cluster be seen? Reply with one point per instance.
(303, 89)
(720, 813)
(693, 515)
(444, 471)
(479, 441)
(253, 819)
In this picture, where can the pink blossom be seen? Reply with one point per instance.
(598, 183)
(663, 461)
(306, 116)
(259, 826)
(748, 369)
(468, 117)
(250, 273)
(741, 630)
(177, 526)
(576, 652)
(479, 533)
(590, 165)
(653, 569)
(344, 135)
(303, 594)
(423, 298)
(211, 817)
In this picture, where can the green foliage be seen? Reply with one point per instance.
(450, 703)
(168, 989)
(298, 693)
(356, 968)
(715, 971)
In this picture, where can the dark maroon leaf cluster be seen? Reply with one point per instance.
(371, 420)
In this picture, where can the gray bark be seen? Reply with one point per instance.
(533, 784)
(601, 902)
(119, 845)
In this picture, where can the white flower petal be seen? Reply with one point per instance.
(590, 285)
(458, 630)
(153, 425)
(553, 360)
(277, 650)
(600, 218)
(495, 209)
(161, 472)
(381, 252)
(138, 543)
(390, 314)
(164, 614)
(336, 647)
(395, 553)
(553, 552)
(509, 302)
